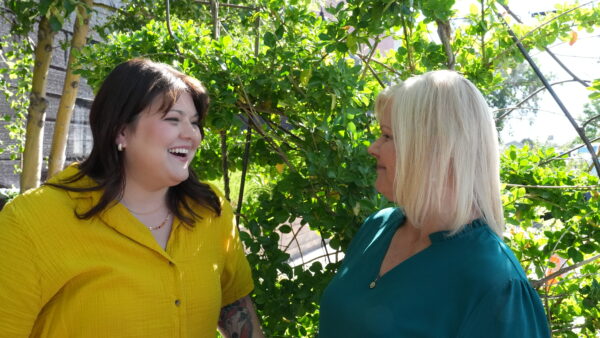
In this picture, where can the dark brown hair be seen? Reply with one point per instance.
(126, 92)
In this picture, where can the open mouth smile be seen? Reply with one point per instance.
(179, 152)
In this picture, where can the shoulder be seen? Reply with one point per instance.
(43, 201)
(217, 192)
(226, 207)
(47, 205)
(512, 309)
(380, 220)
(488, 261)
(208, 216)
(374, 226)
(385, 216)
(33, 216)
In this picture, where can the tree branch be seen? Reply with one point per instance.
(381, 64)
(245, 162)
(445, 33)
(483, 56)
(566, 152)
(228, 5)
(373, 49)
(589, 121)
(168, 18)
(574, 187)
(537, 283)
(541, 25)
(105, 6)
(562, 65)
(585, 83)
(541, 76)
(252, 119)
(565, 329)
(224, 163)
(409, 55)
(368, 66)
(535, 92)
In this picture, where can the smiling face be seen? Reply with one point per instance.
(384, 151)
(158, 148)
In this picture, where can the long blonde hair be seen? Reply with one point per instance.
(447, 159)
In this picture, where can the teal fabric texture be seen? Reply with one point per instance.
(466, 285)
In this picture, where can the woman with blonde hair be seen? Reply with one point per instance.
(435, 266)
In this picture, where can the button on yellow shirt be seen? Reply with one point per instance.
(107, 276)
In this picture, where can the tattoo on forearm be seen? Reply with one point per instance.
(235, 319)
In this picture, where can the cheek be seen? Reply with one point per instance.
(159, 133)
(389, 153)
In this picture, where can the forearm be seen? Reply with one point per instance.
(239, 320)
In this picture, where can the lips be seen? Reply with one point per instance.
(180, 152)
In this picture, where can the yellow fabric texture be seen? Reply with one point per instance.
(107, 276)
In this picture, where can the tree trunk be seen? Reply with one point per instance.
(69, 93)
(32, 155)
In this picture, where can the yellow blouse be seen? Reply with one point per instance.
(107, 276)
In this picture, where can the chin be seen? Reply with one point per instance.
(178, 178)
(386, 193)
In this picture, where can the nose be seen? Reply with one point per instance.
(189, 130)
(373, 149)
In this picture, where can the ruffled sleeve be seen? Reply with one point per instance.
(510, 310)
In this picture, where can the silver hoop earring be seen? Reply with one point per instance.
(120, 147)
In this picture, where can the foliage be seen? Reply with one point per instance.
(543, 223)
(24, 14)
(518, 83)
(590, 118)
(305, 92)
(15, 86)
(595, 87)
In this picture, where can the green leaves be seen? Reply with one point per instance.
(269, 39)
(552, 229)
(595, 88)
(306, 91)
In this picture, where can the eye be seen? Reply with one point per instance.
(386, 136)
(171, 119)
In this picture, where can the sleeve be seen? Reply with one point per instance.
(20, 291)
(236, 277)
(514, 310)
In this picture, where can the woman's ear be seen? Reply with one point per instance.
(121, 140)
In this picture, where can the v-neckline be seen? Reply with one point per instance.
(394, 229)
(407, 260)
(434, 237)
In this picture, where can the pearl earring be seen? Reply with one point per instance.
(120, 147)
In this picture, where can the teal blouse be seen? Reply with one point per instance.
(466, 285)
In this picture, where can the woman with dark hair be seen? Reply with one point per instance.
(128, 243)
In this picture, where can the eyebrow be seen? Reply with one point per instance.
(181, 112)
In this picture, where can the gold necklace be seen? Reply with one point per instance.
(143, 213)
(162, 224)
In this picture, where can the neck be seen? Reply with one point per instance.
(431, 225)
(140, 200)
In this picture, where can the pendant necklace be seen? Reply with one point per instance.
(161, 224)
(373, 284)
